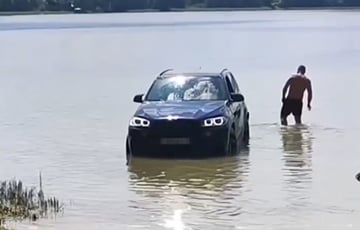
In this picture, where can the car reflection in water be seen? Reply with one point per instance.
(192, 187)
(211, 174)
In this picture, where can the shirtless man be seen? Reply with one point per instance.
(293, 103)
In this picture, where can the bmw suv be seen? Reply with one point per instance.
(189, 115)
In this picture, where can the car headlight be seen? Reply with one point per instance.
(216, 121)
(139, 122)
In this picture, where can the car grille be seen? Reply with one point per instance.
(175, 128)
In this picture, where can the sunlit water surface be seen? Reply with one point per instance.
(66, 89)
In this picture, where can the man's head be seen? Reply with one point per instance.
(301, 69)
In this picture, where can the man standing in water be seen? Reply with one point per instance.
(293, 103)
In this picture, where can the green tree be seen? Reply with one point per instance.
(162, 5)
(6, 5)
(351, 2)
(120, 5)
(138, 4)
(21, 5)
(303, 3)
(217, 3)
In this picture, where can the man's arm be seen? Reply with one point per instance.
(309, 90)
(285, 88)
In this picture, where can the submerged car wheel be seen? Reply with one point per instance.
(246, 136)
(128, 153)
(232, 145)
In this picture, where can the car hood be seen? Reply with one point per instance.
(193, 110)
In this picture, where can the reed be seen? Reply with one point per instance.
(19, 203)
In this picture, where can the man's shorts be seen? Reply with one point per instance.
(293, 106)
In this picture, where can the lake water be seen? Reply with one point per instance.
(66, 89)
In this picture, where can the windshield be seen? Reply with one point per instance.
(181, 88)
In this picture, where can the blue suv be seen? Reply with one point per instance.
(189, 115)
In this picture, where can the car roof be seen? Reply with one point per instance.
(189, 75)
(167, 74)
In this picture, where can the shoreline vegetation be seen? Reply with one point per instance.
(19, 203)
(35, 12)
(35, 7)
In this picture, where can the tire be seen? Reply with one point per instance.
(246, 135)
(128, 153)
(232, 144)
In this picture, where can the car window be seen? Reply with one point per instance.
(229, 85)
(234, 83)
(187, 89)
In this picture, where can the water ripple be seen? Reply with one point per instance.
(65, 112)
(209, 187)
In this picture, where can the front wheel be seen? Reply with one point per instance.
(246, 135)
(232, 144)
(128, 152)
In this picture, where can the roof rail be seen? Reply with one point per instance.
(223, 71)
(165, 71)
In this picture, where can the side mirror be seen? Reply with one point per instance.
(138, 98)
(237, 97)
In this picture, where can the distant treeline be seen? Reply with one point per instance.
(162, 5)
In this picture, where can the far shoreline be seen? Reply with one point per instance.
(190, 9)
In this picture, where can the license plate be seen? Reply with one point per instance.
(175, 141)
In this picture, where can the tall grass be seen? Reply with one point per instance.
(19, 203)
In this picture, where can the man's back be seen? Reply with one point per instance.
(298, 85)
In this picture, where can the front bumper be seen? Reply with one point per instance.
(180, 139)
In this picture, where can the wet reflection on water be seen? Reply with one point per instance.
(192, 188)
(297, 147)
(297, 144)
(297, 169)
(66, 115)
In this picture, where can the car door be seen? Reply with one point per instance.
(238, 106)
(234, 106)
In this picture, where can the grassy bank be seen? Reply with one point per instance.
(12, 13)
(352, 8)
(189, 9)
(19, 203)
